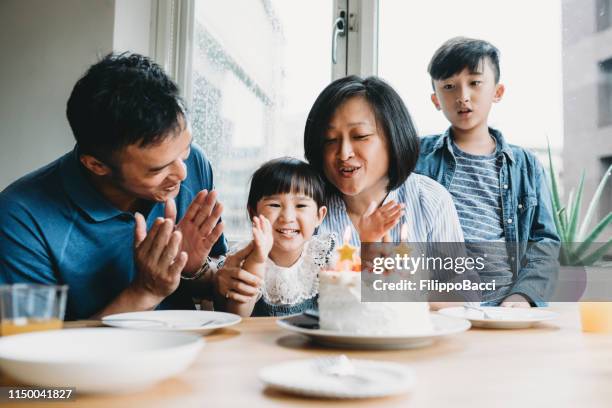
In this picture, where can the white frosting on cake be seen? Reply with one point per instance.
(341, 309)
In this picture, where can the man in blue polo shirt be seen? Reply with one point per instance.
(101, 219)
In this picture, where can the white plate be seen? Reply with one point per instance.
(98, 360)
(302, 377)
(443, 326)
(501, 317)
(196, 321)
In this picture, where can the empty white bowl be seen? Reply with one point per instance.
(97, 360)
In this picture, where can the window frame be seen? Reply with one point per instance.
(173, 28)
(362, 47)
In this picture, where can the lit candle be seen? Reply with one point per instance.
(346, 252)
(404, 232)
(346, 237)
(403, 248)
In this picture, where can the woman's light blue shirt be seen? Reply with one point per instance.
(429, 213)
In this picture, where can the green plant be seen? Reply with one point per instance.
(578, 244)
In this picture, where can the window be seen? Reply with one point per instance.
(251, 69)
(604, 14)
(531, 110)
(606, 199)
(605, 93)
(254, 76)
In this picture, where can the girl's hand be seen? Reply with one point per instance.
(375, 223)
(262, 239)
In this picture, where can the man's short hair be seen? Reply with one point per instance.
(459, 53)
(121, 100)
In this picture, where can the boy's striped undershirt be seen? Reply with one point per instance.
(476, 193)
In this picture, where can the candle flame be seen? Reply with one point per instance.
(347, 235)
(404, 232)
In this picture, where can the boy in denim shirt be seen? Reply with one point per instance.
(499, 190)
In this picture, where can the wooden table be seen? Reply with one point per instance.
(554, 365)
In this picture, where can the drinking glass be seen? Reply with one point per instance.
(28, 307)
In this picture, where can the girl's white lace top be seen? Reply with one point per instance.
(300, 281)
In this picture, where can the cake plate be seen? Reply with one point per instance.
(308, 326)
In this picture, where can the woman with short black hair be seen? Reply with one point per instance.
(360, 137)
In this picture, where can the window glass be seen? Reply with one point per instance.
(587, 90)
(556, 63)
(529, 39)
(604, 15)
(257, 68)
(605, 93)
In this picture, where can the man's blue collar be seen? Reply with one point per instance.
(82, 192)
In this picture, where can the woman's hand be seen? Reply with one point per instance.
(375, 222)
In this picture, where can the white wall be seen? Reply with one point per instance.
(132, 28)
(46, 46)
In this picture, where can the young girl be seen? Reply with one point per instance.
(286, 205)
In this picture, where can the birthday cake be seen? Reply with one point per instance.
(341, 308)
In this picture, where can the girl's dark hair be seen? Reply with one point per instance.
(459, 53)
(391, 115)
(121, 100)
(285, 175)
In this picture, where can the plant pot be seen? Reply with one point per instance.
(596, 317)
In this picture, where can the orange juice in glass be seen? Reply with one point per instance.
(31, 307)
(596, 317)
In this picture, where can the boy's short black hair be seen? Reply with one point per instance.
(285, 175)
(459, 53)
(391, 115)
(121, 100)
